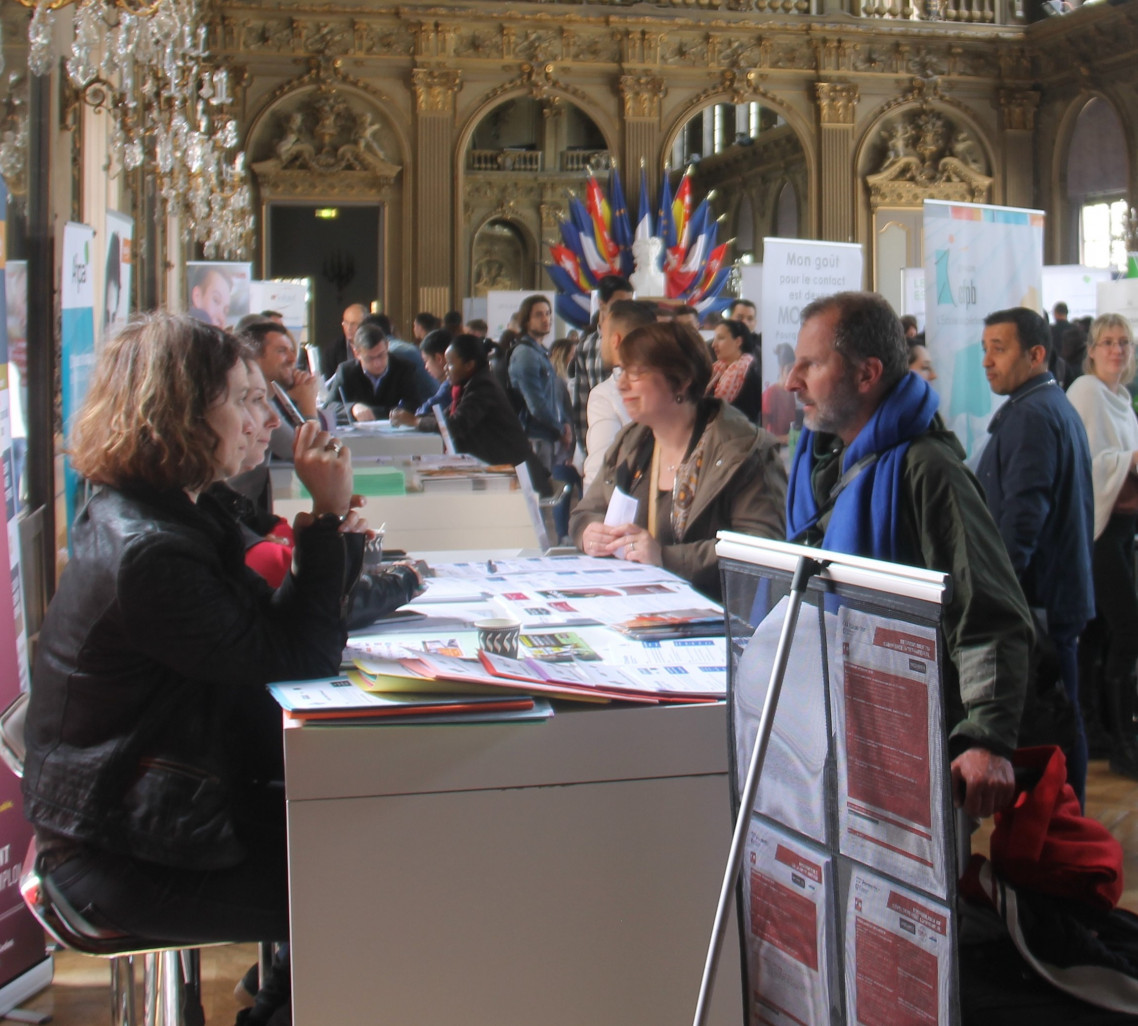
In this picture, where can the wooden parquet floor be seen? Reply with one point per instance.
(79, 994)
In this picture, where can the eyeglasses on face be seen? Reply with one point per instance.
(629, 374)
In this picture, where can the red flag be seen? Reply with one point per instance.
(601, 216)
(567, 261)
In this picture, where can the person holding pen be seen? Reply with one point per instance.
(374, 382)
(152, 743)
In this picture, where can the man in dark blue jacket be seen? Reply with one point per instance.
(376, 381)
(1036, 471)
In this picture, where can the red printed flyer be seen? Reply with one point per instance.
(899, 952)
(790, 950)
(891, 759)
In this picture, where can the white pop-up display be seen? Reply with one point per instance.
(843, 853)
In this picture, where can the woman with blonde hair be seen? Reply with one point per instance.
(1103, 402)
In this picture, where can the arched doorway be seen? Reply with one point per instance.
(523, 158)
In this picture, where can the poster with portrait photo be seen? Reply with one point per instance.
(117, 269)
(217, 291)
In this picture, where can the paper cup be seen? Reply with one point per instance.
(499, 636)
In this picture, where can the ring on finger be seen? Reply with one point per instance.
(334, 446)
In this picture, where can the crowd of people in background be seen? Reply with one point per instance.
(671, 410)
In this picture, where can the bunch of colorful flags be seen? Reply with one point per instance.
(597, 240)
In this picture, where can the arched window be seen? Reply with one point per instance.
(1098, 169)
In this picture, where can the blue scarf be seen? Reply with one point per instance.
(866, 512)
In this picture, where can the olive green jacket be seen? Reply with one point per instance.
(987, 625)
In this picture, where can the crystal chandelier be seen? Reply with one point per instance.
(14, 137)
(147, 64)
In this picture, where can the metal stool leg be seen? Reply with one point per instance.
(171, 988)
(152, 989)
(191, 965)
(122, 991)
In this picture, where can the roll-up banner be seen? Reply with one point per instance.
(77, 343)
(25, 966)
(978, 259)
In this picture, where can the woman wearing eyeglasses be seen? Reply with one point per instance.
(1103, 402)
(694, 464)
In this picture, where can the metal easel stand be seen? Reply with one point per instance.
(805, 569)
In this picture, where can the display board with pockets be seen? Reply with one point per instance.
(847, 888)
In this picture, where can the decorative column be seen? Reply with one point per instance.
(641, 95)
(1017, 114)
(433, 197)
(836, 104)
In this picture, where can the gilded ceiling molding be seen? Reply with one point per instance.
(835, 54)
(538, 82)
(435, 89)
(642, 95)
(739, 87)
(925, 94)
(837, 102)
(327, 72)
(639, 46)
(1018, 107)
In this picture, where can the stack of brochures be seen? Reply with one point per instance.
(674, 623)
(340, 699)
(593, 630)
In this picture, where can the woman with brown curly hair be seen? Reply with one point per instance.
(152, 744)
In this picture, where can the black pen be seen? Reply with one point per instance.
(491, 566)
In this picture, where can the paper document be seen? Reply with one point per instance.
(885, 689)
(791, 788)
(787, 887)
(676, 682)
(622, 510)
(441, 667)
(899, 955)
(540, 605)
(562, 571)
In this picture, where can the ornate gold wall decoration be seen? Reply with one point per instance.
(740, 87)
(324, 143)
(540, 82)
(640, 70)
(924, 154)
(435, 89)
(1018, 107)
(642, 95)
(837, 102)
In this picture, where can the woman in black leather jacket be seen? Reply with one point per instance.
(152, 743)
